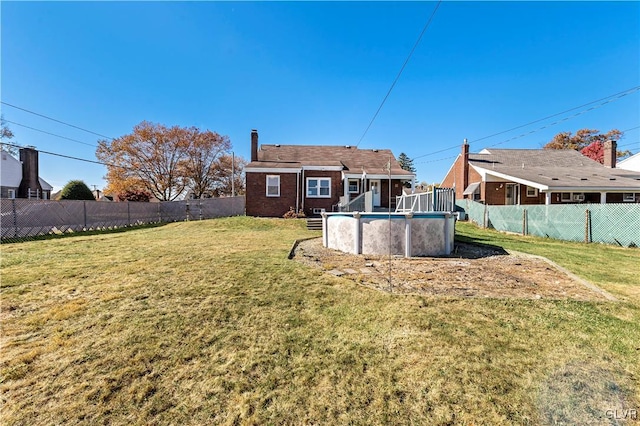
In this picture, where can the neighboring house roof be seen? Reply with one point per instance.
(11, 173)
(548, 169)
(471, 188)
(44, 184)
(350, 160)
(630, 163)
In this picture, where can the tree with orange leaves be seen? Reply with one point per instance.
(582, 139)
(166, 161)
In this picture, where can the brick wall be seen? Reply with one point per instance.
(494, 194)
(538, 199)
(322, 203)
(257, 202)
(618, 198)
(455, 178)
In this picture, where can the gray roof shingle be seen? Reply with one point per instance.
(555, 169)
(350, 159)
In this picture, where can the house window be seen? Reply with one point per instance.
(532, 192)
(565, 197)
(319, 187)
(273, 186)
(628, 197)
(11, 193)
(354, 186)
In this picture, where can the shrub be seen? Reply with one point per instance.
(134, 195)
(291, 214)
(76, 190)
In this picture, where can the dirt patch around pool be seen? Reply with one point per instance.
(471, 271)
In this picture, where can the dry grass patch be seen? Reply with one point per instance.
(209, 323)
(471, 271)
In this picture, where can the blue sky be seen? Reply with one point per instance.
(316, 72)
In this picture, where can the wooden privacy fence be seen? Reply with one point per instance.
(603, 223)
(22, 218)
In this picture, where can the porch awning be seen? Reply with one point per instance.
(471, 189)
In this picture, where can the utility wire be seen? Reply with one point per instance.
(628, 144)
(70, 157)
(52, 134)
(616, 96)
(400, 73)
(56, 120)
(456, 156)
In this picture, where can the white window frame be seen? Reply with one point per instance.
(11, 193)
(566, 194)
(532, 192)
(357, 182)
(628, 197)
(319, 187)
(277, 177)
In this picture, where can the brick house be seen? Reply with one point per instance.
(541, 176)
(312, 178)
(19, 178)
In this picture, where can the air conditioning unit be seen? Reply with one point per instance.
(578, 197)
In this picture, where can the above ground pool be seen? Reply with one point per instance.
(404, 234)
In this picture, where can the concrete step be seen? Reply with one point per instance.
(314, 223)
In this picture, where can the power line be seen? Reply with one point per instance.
(555, 122)
(400, 73)
(456, 156)
(69, 157)
(629, 144)
(438, 160)
(615, 97)
(49, 133)
(56, 120)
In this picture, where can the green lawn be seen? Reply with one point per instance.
(208, 322)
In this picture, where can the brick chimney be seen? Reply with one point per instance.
(610, 154)
(30, 181)
(254, 145)
(463, 180)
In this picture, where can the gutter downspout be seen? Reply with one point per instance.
(297, 192)
(302, 184)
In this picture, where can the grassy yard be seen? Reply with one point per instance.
(209, 323)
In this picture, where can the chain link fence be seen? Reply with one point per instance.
(602, 223)
(21, 218)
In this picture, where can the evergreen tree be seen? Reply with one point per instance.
(406, 163)
(76, 190)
